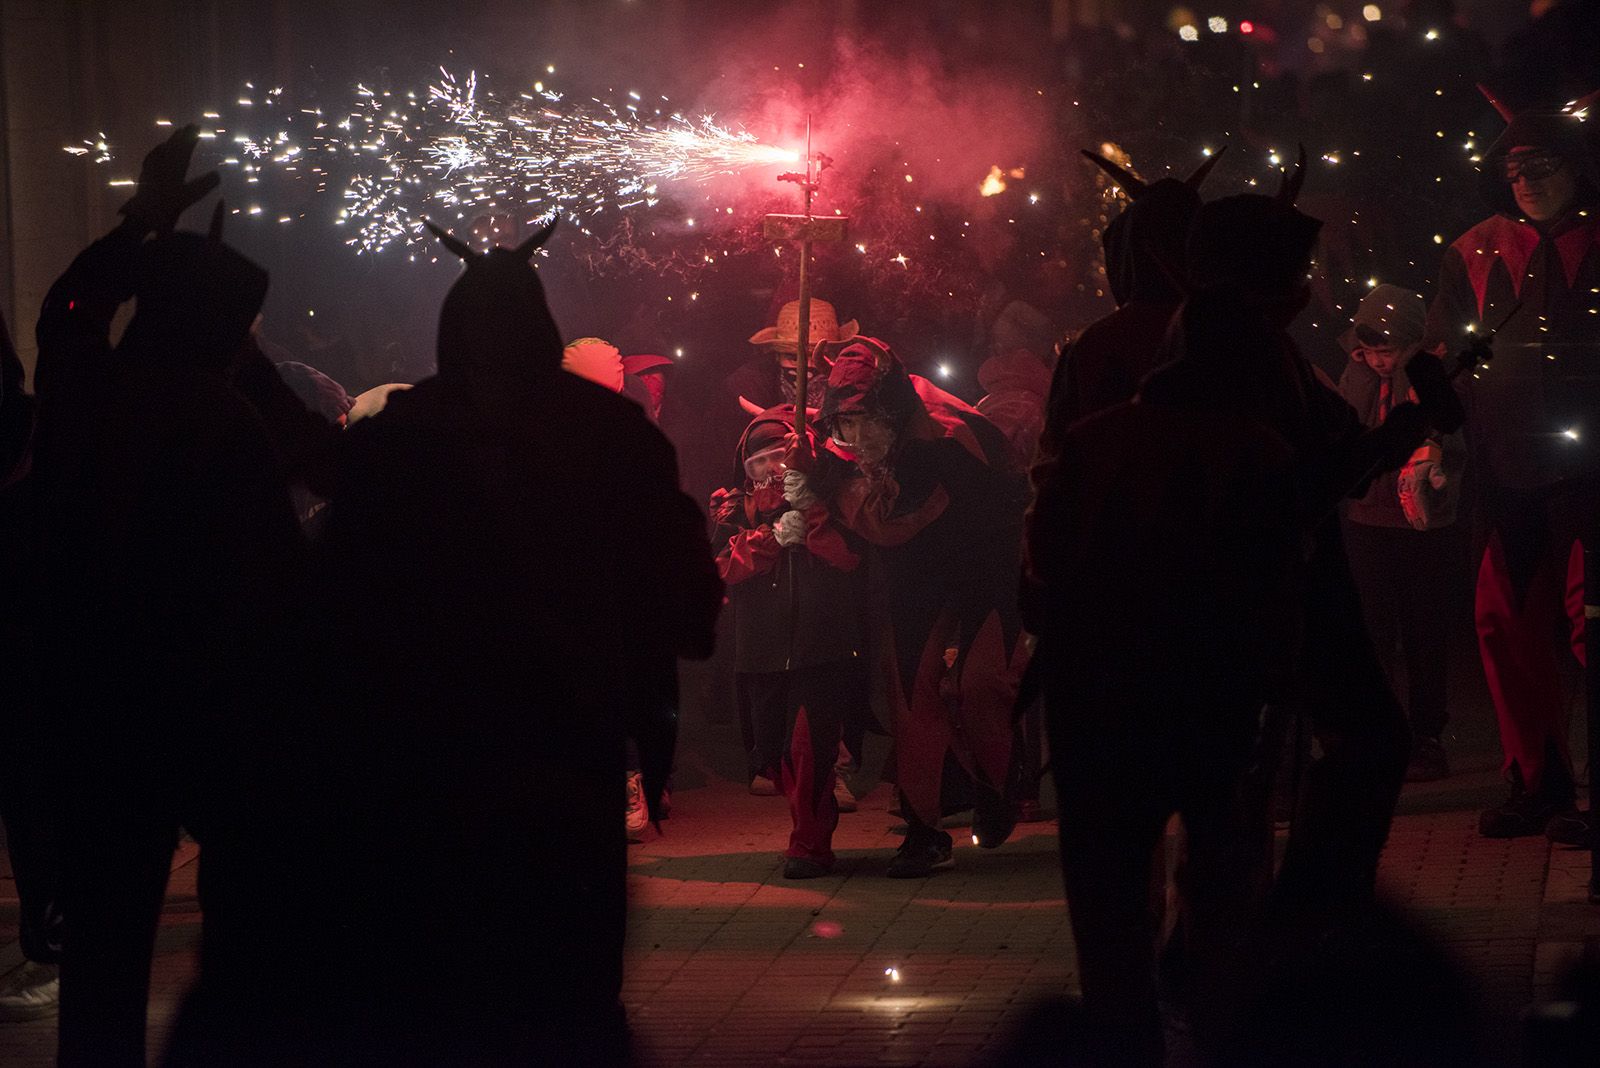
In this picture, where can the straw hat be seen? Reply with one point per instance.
(785, 336)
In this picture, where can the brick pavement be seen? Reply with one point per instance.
(730, 965)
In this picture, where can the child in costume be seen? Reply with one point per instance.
(796, 589)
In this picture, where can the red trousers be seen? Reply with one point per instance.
(1519, 658)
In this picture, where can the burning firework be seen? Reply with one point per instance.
(455, 150)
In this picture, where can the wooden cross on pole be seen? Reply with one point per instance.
(806, 230)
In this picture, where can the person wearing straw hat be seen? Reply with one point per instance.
(770, 378)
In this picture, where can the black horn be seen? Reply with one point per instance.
(451, 242)
(1293, 178)
(528, 247)
(1131, 183)
(1202, 172)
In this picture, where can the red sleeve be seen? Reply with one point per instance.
(748, 553)
(825, 542)
(865, 506)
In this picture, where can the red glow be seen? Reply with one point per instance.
(1247, 26)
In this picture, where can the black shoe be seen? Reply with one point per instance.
(805, 868)
(923, 852)
(993, 822)
(1428, 762)
(1573, 828)
(1525, 814)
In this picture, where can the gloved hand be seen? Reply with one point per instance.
(797, 490)
(163, 194)
(790, 529)
(1418, 481)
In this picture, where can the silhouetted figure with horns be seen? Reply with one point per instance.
(1104, 364)
(1168, 545)
(506, 540)
(167, 551)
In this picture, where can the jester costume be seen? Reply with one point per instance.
(1537, 283)
(942, 509)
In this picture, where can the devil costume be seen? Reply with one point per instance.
(1173, 609)
(1537, 479)
(508, 556)
(1166, 546)
(943, 512)
(1104, 364)
(797, 591)
(167, 555)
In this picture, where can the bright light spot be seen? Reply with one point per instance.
(908, 178)
(994, 183)
(974, 839)
(1188, 33)
(1217, 24)
(893, 974)
(678, 353)
(1438, 239)
(1431, 35)
(1372, 13)
(944, 372)
(1571, 433)
(1033, 198)
(1247, 26)
(1274, 159)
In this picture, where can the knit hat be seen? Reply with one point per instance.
(594, 359)
(1389, 315)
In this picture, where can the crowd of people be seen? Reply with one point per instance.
(327, 635)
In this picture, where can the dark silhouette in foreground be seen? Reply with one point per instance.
(507, 557)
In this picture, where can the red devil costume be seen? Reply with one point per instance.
(1529, 432)
(942, 508)
(796, 587)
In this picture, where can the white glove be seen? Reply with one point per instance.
(1417, 481)
(797, 491)
(372, 402)
(790, 529)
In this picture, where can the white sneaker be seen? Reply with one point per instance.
(638, 814)
(30, 992)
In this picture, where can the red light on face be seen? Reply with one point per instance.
(1247, 27)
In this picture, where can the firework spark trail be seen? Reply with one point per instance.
(456, 151)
